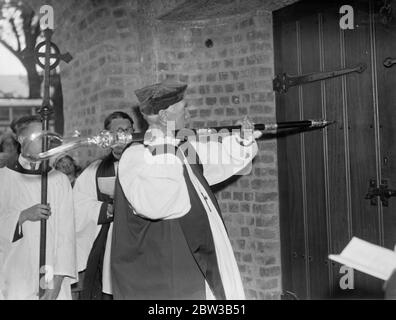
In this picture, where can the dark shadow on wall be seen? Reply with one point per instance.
(140, 124)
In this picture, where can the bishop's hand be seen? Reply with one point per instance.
(248, 134)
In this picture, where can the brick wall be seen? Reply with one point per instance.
(119, 46)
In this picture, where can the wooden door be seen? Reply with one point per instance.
(325, 175)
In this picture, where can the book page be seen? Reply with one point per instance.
(107, 185)
(369, 258)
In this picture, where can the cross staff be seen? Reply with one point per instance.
(45, 112)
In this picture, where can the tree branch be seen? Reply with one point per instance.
(14, 29)
(37, 30)
(27, 28)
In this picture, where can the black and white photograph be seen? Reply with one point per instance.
(182, 151)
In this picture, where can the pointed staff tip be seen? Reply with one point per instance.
(321, 123)
(330, 122)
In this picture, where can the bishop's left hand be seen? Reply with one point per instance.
(247, 130)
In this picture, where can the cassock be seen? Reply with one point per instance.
(169, 239)
(19, 246)
(94, 227)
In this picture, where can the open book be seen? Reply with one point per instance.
(369, 258)
(107, 185)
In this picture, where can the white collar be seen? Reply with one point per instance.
(161, 140)
(26, 164)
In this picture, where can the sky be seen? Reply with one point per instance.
(9, 64)
(13, 79)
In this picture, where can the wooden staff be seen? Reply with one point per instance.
(45, 112)
(107, 139)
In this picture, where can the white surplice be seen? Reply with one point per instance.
(19, 260)
(87, 209)
(156, 189)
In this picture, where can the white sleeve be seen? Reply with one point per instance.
(222, 160)
(154, 185)
(87, 209)
(8, 223)
(10, 211)
(86, 204)
(65, 254)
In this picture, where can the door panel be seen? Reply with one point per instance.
(362, 143)
(294, 237)
(386, 47)
(324, 175)
(313, 162)
(335, 140)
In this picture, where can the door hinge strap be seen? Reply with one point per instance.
(283, 82)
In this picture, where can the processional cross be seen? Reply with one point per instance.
(52, 58)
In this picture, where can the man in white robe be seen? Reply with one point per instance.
(93, 203)
(20, 214)
(169, 239)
